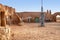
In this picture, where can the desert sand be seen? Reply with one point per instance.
(33, 31)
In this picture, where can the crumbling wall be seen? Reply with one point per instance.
(16, 19)
(4, 30)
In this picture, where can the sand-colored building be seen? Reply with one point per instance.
(9, 14)
(34, 15)
(49, 17)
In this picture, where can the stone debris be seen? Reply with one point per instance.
(4, 33)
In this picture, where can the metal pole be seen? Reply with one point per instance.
(42, 14)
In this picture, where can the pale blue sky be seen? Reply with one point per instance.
(32, 5)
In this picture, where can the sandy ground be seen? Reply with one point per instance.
(33, 31)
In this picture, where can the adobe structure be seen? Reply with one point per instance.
(49, 17)
(4, 30)
(9, 14)
(35, 16)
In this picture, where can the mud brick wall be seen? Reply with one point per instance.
(48, 15)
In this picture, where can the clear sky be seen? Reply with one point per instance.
(32, 5)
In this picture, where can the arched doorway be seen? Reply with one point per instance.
(58, 18)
